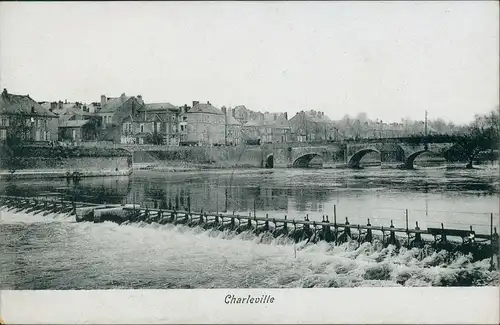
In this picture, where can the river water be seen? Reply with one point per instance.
(54, 252)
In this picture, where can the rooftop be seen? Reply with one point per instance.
(205, 108)
(113, 103)
(73, 123)
(12, 104)
(159, 107)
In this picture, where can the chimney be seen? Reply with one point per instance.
(224, 110)
(4, 92)
(53, 105)
(60, 104)
(186, 108)
(139, 98)
(65, 101)
(286, 115)
(274, 116)
(208, 102)
(195, 102)
(122, 97)
(103, 100)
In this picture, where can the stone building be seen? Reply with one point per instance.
(78, 130)
(114, 110)
(312, 126)
(251, 131)
(233, 129)
(39, 123)
(113, 113)
(202, 124)
(155, 123)
(268, 128)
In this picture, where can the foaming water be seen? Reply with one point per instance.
(61, 254)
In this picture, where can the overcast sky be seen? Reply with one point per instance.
(391, 60)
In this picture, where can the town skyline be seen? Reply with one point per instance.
(340, 58)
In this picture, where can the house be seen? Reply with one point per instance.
(155, 123)
(77, 130)
(79, 126)
(252, 131)
(40, 123)
(281, 130)
(312, 125)
(267, 128)
(114, 111)
(202, 124)
(233, 128)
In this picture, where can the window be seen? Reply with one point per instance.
(4, 122)
(3, 134)
(158, 126)
(142, 128)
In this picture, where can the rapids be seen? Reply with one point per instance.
(55, 252)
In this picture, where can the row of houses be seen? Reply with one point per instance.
(129, 120)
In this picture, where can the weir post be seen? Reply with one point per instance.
(383, 236)
(369, 235)
(392, 238)
(359, 235)
(407, 232)
(335, 227)
(347, 230)
(417, 241)
(443, 234)
(495, 247)
(491, 241)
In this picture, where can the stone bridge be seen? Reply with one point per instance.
(349, 155)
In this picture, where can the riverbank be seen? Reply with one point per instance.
(62, 173)
(33, 161)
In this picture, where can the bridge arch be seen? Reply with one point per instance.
(411, 159)
(356, 158)
(303, 160)
(269, 161)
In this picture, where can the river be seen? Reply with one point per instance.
(54, 252)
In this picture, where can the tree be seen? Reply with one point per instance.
(154, 138)
(18, 134)
(483, 134)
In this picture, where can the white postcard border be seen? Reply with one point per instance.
(470, 305)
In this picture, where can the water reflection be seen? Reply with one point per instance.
(370, 192)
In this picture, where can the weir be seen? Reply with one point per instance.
(481, 246)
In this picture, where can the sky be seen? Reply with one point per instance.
(392, 60)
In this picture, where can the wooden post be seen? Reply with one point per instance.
(407, 232)
(254, 207)
(491, 240)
